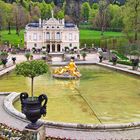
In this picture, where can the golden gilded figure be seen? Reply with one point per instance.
(69, 70)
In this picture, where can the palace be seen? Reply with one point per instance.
(54, 35)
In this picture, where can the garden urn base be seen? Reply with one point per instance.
(31, 134)
(34, 126)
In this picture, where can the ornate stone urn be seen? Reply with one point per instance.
(33, 108)
(100, 58)
(114, 60)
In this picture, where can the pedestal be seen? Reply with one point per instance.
(31, 134)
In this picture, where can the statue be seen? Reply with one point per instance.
(70, 70)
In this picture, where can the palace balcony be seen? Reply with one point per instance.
(53, 40)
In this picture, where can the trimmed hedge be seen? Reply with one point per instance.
(129, 63)
(120, 56)
(89, 42)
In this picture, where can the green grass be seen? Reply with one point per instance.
(14, 39)
(92, 34)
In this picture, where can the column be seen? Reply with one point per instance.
(61, 47)
(50, 47)
(55, 47)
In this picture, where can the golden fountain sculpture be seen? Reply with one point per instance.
(70, 71)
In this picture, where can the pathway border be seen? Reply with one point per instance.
(6, 70)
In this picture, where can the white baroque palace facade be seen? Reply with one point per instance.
(55, 35)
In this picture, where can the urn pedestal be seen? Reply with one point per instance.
(38, 134)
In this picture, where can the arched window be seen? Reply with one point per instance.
(58, 48)
(53, 47)
(58, 35)
(48, 48)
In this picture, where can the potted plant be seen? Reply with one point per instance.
(31, 57)
(114, 60)
(101, 58)
(135, 59)
(32, 106)
(84, 54)
(135, 64)
(14, 60)
(4, 61)
(27, 55)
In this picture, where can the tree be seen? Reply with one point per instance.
(102, 16)
(2, 14)
(116, 18)
(95, 6)
(60, 14)
(35, 13)
(72, 10)
(27, 55)
(32, 69)
(45, 10)
(20, 17)
(132, 19)
(93, 13)
(85, 11)
(76, 11)
(9, 16)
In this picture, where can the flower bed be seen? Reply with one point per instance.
(7, 132)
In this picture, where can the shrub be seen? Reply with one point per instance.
(32, 69)
(27, 55)
(84, 54)
(120, 56)
(89, 42)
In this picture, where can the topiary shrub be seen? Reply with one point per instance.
(32, 69)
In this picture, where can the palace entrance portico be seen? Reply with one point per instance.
(51, 48)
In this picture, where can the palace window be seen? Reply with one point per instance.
(58, 35)
(70, 36)
(65, 37)
(40, 37)
(47, 35)
(30, 37)
(75, 37)
(35, 36)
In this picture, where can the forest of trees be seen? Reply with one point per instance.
(101, 15)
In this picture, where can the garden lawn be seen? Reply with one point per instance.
(92, 34)
(13, 38)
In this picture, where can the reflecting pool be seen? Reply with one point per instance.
(99, 96)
